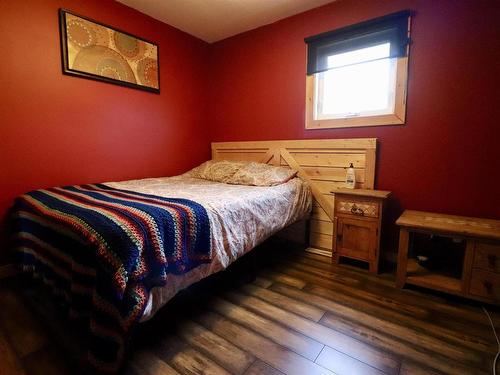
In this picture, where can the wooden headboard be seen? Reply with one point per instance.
(321, 163)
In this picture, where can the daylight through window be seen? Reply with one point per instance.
(358, 79)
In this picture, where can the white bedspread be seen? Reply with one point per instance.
(241, 217)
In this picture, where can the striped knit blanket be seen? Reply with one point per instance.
(103, 249)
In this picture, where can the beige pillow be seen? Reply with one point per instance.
(213, 170)
(259, 174)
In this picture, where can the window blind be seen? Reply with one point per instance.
(392, 28)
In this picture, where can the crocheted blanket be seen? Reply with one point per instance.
(103, 249)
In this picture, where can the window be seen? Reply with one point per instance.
(357, 75)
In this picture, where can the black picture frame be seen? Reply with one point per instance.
(66, 69)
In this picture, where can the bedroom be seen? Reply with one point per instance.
(238, 73)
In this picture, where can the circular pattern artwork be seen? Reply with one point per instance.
(97, 50)
(147, 72)
(130, 47)
(83, 33)
(105, 62)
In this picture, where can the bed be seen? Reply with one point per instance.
(172, 231)
(117, 252)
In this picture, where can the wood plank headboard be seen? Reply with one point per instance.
(321, 163)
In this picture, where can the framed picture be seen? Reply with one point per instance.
(96, 51)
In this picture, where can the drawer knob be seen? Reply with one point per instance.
(357, 210)
(488, 286)
(492, 259)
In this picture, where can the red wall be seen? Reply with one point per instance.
(57, 129)
(444, 159)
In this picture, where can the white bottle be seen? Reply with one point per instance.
(350, 179)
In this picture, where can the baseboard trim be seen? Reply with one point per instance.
(319, 252)
(8, 270)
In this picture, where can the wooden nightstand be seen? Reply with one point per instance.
(357, 225)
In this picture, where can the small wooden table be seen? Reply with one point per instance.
(480, 277)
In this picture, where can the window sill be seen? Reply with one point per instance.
(391, 119)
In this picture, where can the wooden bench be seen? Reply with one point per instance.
(480, 276)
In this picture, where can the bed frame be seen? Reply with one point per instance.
(321, 163)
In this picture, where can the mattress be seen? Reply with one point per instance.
(241, 217)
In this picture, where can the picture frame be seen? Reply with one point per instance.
(93, 50)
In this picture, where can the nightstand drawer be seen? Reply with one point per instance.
(357, 207)
(485, 284)
(487, 257)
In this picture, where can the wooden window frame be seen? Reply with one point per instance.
(396, 118)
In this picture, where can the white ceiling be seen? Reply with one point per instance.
(213, 20)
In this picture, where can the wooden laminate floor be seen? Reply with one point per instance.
(301, 315)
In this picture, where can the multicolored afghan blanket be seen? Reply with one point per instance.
(103, 249)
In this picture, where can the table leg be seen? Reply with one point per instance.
(404, 241)
(335, 255)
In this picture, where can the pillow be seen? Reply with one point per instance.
(196, 172)
(259, 174)
(219, 171)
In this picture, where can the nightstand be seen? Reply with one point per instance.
(357, 225)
